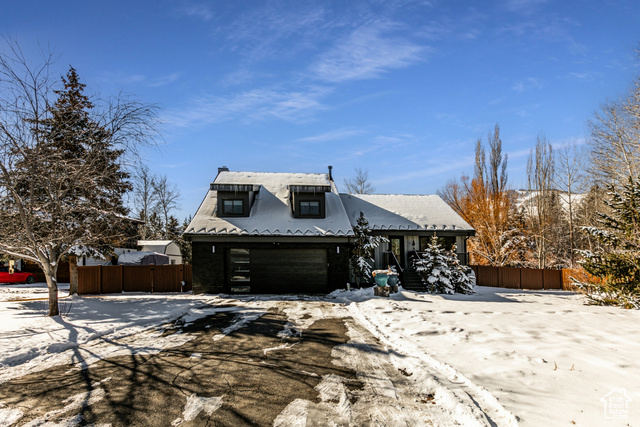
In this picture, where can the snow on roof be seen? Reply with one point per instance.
(271, 213)
(403, 212)
(154, 242)
(142, 258)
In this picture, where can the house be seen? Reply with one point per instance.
(165, 247)
(408, 222)
(291, 232)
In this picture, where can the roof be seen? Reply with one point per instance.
(271, 211)
(142, 258)
(403, 212)
(154, 242)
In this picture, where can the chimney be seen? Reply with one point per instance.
(330, 176)
(223, 169)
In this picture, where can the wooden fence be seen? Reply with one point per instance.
(111, 279)
(62, 276)
(518, 278)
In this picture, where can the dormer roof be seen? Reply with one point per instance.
(271, 213)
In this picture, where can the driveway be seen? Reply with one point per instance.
(297, 363)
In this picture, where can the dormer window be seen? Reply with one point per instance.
(310, 208)
(308, 201)
(234, 200)
(232, 206)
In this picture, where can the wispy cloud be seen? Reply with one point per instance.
(585, 77)
(199, 11)
(526, 84)
(524, 6)
(335, 135)
(526, 111)
(254, 105)
(437, 168)
(277, 30)
(163, 80)
(141, 79)
(367, 52)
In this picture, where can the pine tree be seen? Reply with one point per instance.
(461, 275)
(185, 246)
(363, 247)
(442, 272)
(617, 264)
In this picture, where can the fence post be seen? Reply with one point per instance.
(121, 278)
(520, 283)
(153, 274)
(100, 278)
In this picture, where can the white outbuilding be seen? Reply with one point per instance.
(166, 247)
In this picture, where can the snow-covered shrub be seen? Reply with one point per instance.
(362, 252)
(442, 272)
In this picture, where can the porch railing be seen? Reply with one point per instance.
(391, 260)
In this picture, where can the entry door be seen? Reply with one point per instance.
(396, 245)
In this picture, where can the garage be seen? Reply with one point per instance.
(288, 270)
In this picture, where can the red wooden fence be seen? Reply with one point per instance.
(133, 278)
(517, 278)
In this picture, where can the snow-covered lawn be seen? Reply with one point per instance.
(527, 358)
(26, 291)
(547, 357)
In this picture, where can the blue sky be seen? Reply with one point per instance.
(401, 88)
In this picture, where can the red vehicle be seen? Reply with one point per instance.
(16, 277)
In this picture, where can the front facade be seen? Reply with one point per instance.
(292, 233)
(270, 233)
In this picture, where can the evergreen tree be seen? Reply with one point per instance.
(461, 275)
(185, 246)
(617, 264)
(363, 247)
(442, 272)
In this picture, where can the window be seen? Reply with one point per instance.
(239, 270)
(310, 208)
(233, 206)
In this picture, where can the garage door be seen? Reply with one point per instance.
(288, 270)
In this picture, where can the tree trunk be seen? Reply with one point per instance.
(50, 268)
(52, 284)
(73, 275)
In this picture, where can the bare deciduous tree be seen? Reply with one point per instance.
(540, 178)
(359, 184)
(486, 204)
(167, 196)
(144, 199)
(571, 179)
(61, 177)
(615, 139)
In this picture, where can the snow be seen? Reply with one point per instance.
(500, 356)
(30, 341)
(142, 258)
(403, 212)
(545, 357)
(21, 292)
(196, 404)
(271, 213)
